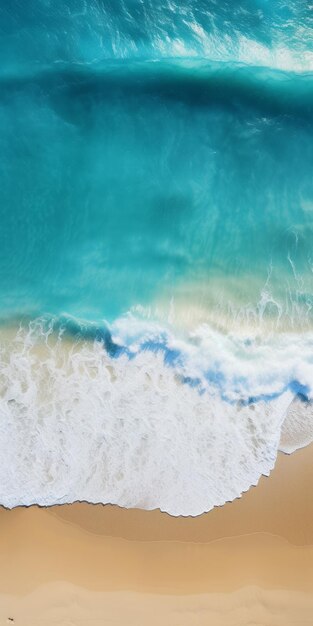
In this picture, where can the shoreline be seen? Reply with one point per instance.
(251, 559)
(258, 508)
(242, 511)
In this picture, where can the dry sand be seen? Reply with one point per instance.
(249, 562)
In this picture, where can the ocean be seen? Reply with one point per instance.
(156, 248)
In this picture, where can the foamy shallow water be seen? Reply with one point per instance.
(124, 423)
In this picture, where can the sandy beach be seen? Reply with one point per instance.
(249, 562)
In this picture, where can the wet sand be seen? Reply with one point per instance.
(249, 562)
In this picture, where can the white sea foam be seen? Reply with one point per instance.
(238, 49)
(77, 424)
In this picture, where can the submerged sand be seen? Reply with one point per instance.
(249, 562)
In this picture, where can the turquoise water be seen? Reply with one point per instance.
(259, 32)
(156, 197)
(123, 182)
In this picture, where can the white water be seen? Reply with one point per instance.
(76, 424)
